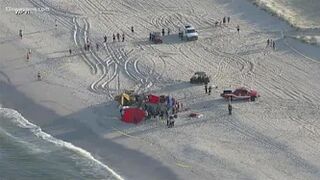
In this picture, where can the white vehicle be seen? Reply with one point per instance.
(190, 33)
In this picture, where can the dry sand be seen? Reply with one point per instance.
(276, 137)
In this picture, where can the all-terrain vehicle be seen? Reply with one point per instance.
(199, 78)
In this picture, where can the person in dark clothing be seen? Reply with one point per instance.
(39, 76)
(118, 37)
(97, 46)
(113, 37)
(167, 114)
(161, 114)
(230, 108)
(70, 51)
(28, 56)
(268, 42)
(180, 32)
(150, 36)
(132, 30)
(210, 88)
(224, 20)
(162, 31)
(20, 33)
(170, 122)
(273, 45)
(122, 37)
(238, 29)
(206, 88)
(228, 19)
(105, 38)
(88, 46)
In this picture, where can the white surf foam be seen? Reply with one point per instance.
(36, 130)
(299, 13)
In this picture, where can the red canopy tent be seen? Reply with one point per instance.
(153, 99)
(133, 115)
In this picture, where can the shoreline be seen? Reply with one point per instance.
(58, 107)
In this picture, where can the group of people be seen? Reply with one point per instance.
(223, 21)
(168, 109)
(163, 31)
(115, 37)
(271, 43)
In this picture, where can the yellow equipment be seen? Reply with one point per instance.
(125, 99)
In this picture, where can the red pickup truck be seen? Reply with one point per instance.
(240, 93)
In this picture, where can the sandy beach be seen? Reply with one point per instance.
(275, 137)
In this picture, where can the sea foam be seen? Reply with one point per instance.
(20, 121)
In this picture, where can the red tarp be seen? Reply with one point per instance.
(154, 99)
(133, 115)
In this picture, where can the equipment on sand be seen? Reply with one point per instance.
(199, 78)
(126, 98)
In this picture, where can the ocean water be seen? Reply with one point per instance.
(299, 13)
(26, 152)
(302, 14)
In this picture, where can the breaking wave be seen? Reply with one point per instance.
(31, 153)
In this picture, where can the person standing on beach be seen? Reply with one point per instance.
(268, 43)
(113, 37)
(132, 30)
(162, 31)
(28, 56)
(273, 45)
(105, 38)
(70, 51)
(238, 29)
(122, 37)
(210, 89)
(88, 46)
(39, 76)
(169, 31)
(20, 33)
(97, 46)
(230, 108)
(118, 36)
(224, 20)
(206, 88)
(228, 19)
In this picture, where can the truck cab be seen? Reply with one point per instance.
(190, 33)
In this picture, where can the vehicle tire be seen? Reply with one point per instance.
(253, 98)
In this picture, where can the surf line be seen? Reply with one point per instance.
(36, 130)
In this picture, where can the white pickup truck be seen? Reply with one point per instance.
(190, 33)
